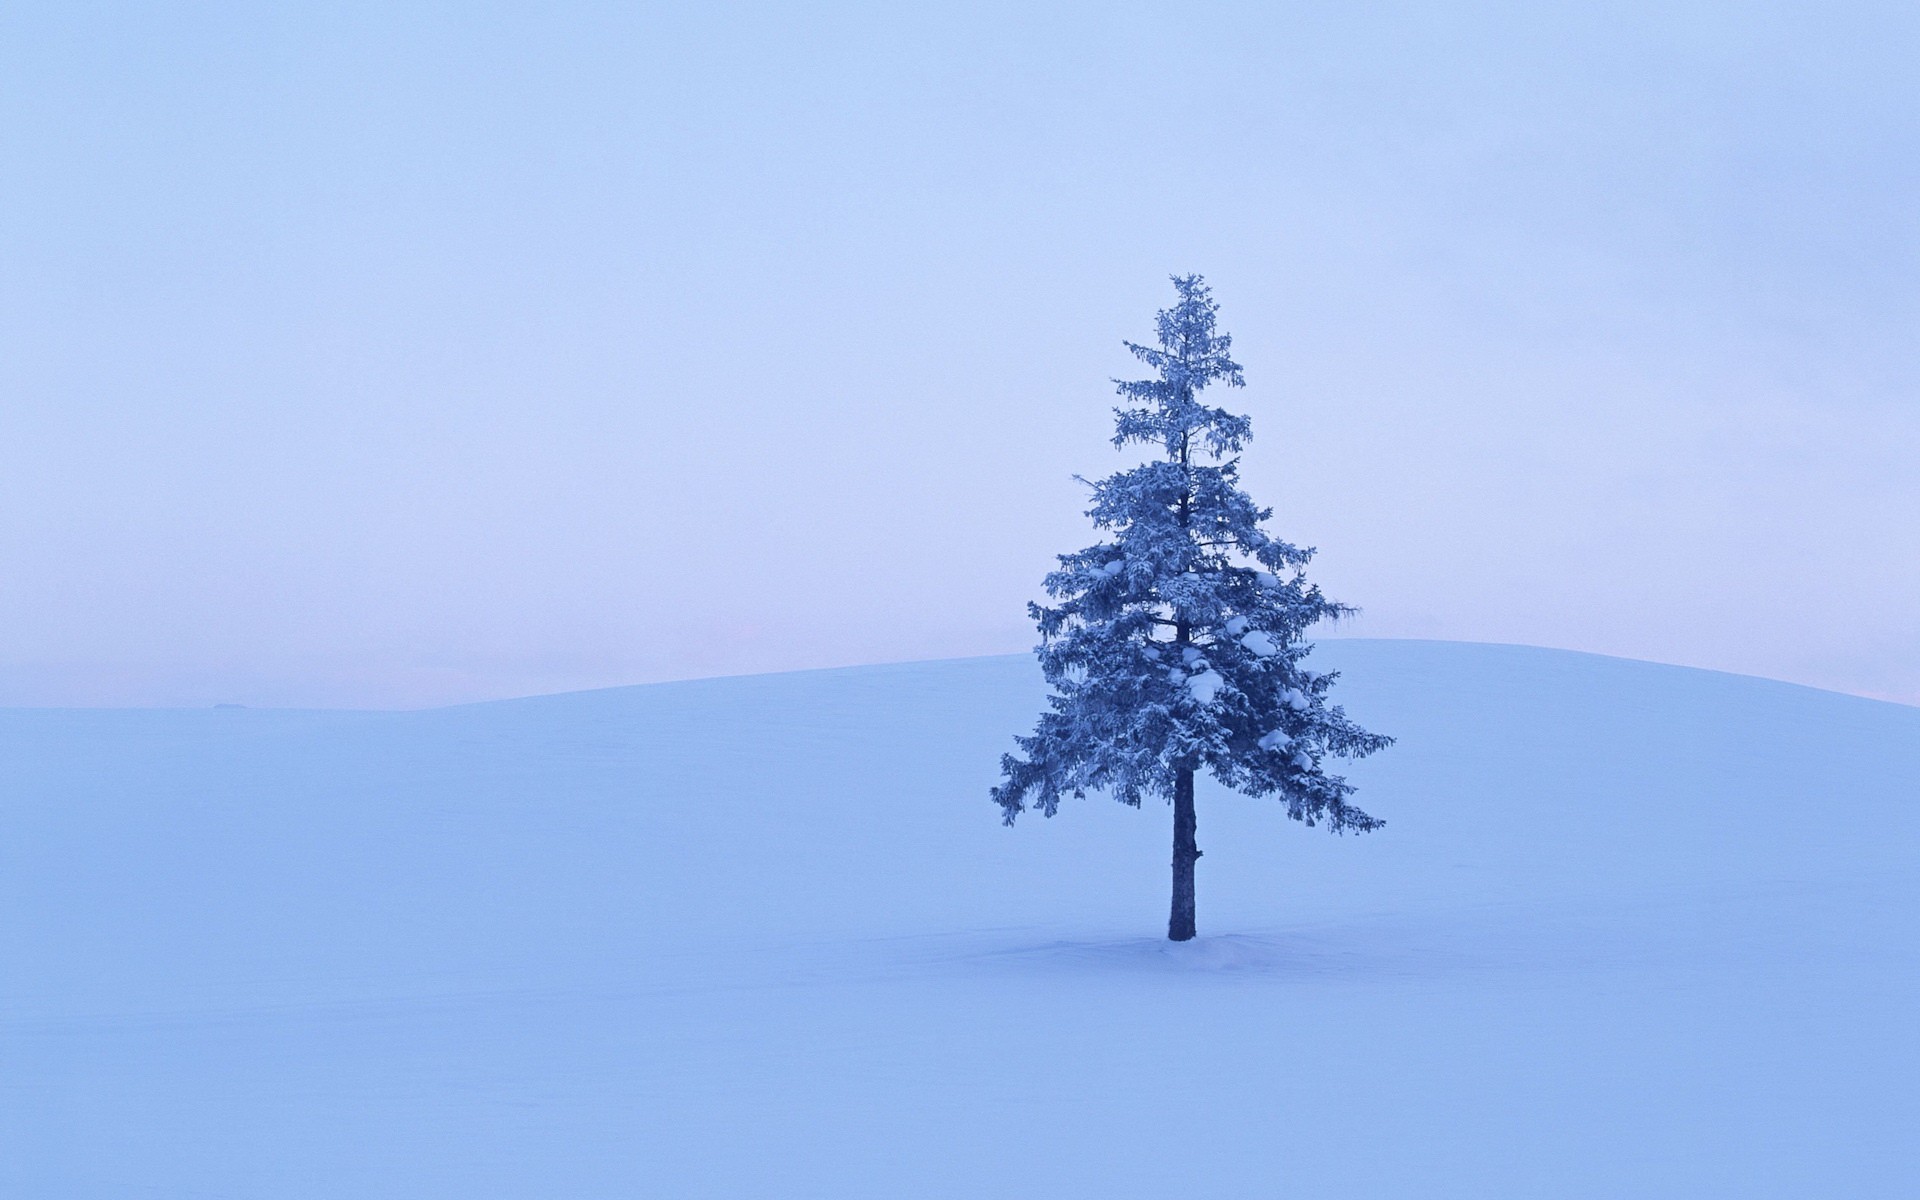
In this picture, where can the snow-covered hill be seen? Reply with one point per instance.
(1631, 930)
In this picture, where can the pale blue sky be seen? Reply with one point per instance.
(400, 353)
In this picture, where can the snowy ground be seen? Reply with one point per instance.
(1631, 930)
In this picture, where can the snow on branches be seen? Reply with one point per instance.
(1177, 643)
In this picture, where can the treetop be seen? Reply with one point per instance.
(1190, 356)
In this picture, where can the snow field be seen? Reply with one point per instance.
(1629, 930)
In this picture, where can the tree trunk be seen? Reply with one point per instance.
(1180, 924)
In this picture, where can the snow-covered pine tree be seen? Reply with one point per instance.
(1178, 644)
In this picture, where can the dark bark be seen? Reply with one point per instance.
(1180, 924)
